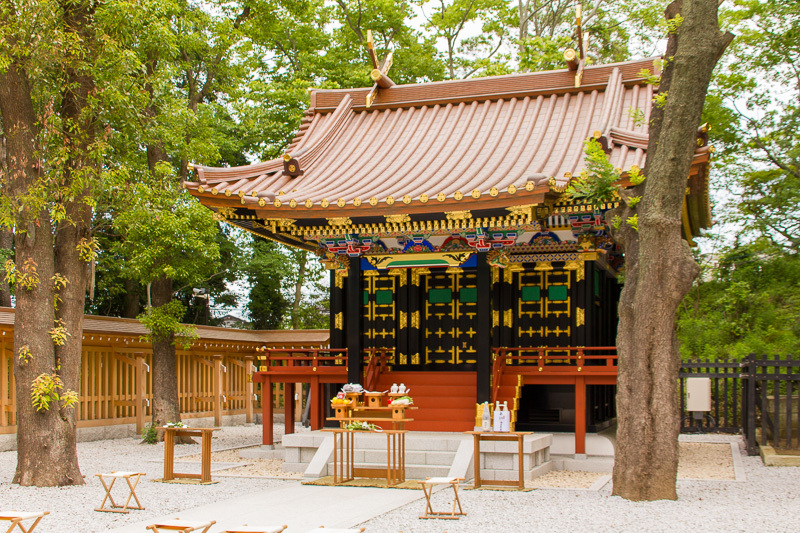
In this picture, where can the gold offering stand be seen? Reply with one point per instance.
(368, 407)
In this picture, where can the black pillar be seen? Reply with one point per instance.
(353, 321)
(484, 319)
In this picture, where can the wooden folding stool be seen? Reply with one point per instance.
(184, 526)
(16, 518)
(127, 476)
(427, 488)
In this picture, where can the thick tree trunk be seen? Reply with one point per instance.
(131, 299)
(298, 290)
(6, 242)
(165, 376)
(660, 268)
(6, 236)
(42, 458)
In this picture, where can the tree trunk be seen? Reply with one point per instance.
(131, 299)
(165, 376)
(298, 290)
(6, 242)
(43, 437)
(658, 263)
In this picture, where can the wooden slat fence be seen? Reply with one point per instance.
(214, 379)
(772, 398)
(726, 396)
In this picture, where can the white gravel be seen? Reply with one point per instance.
(768, 501)
(72, 508)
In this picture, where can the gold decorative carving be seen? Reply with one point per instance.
(324, 203)
(544, 266)
(308, 203)
(292, 203)
(397, 219)
(458, 195)
(415, 319)
(371, 273)
(580, 274)
(226, 212)
(458, 215)
(495, 275)
(476, 193)
(406, 199)
(529, 186)
(390, 200)
(403, 320)
(281, 222)
(512, 189)
(495, 318)
(524, 210)
(508, 318)
(339, 221)
(493, 191)
(201, 189)
(338, 280)
(276, 203)
(572, 265)
(373, 200)
(441, 196)
(262, 203)
(356, 202)
(454, 270)
(340, 202)
(423, 198)
(338, 321)
(415, 359)
(580, 316)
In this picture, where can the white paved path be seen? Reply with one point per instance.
(301, 507)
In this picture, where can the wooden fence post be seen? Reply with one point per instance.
(141, 391)
(217, 393)
(751, 404)
(248, 390)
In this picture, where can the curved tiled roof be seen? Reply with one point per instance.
(443, 146)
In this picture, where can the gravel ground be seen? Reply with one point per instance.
(767, 502)
(74, 506)
(763, 503)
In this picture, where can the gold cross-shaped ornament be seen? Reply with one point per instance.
(379, 73)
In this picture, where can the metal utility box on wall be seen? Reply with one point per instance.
(698, 394)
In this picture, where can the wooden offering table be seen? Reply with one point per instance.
(479, 436)
(344, 468)
(169, 452)
(367, 407)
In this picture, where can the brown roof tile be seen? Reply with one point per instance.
(430, 145)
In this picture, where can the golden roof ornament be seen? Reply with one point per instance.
(378, 73)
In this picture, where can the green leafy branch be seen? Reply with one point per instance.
(164, 321)
(26, 278)
(47, 389)
(600, 183)
(87, 249)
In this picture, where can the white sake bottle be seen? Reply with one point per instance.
(497, 423)
(505, 419)
(486, 418)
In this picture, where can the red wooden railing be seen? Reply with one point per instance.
(377, 361)
(560, 361)
(291, 361)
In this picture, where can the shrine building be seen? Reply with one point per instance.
(458, 264)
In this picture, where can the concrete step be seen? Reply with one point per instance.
(412, 471)
(412, 457)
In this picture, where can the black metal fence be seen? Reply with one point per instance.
(758, 396)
